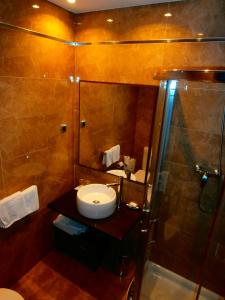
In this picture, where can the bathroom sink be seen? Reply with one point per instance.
(96, 201)
(121, 173)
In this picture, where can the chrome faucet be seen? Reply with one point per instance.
(119, 191)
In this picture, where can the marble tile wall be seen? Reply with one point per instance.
(32, 148)
(145, 108)
(49, 19)
(36, 96)
(148, 22)
(138, 63)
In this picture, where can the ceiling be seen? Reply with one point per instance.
(82, 6)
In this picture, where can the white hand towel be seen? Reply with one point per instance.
(116, 153)
(17, 206)
(107, 158)
(30, 198)
(11, 209)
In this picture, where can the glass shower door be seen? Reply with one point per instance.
(213, 269)
(186, 193)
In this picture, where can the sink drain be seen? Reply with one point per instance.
(96, 201)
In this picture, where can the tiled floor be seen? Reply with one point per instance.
(161, 284)
(59, 277)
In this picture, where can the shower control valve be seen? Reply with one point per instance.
(205, 174)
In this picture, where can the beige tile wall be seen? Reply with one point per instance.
(190, 17)
(49, 19)
(146, 102)
(138, 63)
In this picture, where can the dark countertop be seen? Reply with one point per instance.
(118, 225)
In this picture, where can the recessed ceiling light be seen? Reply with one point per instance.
(110, 20)
(71, 1)
(200, 34)
(36, 6)
(167, 14)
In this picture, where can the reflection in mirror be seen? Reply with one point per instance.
(115, 128)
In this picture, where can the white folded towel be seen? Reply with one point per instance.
(17, 206)
(116, 153)
(107, 158)
(31, 200)
(111, 156)
(10, 209)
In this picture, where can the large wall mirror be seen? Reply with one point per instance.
(115, 128)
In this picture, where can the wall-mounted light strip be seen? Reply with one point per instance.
(125, 42)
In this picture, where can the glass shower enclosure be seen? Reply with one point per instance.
(187, 258)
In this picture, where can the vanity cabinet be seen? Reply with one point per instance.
(89, 247)
(109, 241)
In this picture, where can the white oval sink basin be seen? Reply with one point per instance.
(121, 173)
(96, 201)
